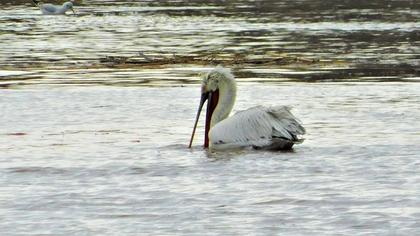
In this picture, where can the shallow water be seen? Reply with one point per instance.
(89, 148)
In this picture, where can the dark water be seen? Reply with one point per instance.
(93, 148)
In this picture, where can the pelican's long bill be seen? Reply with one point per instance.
(213, 98)
(204, 97)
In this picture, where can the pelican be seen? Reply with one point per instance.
(50, 9)
(259, 127)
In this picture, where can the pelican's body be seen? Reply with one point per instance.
(260, 127)
(50, 9)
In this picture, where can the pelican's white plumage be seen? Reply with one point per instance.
(259, 127)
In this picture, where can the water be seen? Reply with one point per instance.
(92, 148)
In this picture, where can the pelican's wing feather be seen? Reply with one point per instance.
(287, 125)
(256, 126)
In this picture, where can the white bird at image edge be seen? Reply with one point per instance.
(50, 9)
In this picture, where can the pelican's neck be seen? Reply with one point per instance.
(227, 96)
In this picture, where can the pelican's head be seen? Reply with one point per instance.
(212, 82)
(69, 6)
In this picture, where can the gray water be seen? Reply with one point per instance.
(92, 148)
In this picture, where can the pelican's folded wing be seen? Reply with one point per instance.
(287, 125)
(256, 126)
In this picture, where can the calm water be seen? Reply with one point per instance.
(89, 148)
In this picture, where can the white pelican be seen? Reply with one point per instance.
(270, 128)
(50, 9)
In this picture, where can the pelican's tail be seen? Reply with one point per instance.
(36, 2)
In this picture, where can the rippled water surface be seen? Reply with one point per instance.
(89, 146)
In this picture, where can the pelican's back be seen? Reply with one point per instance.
(259, 127)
